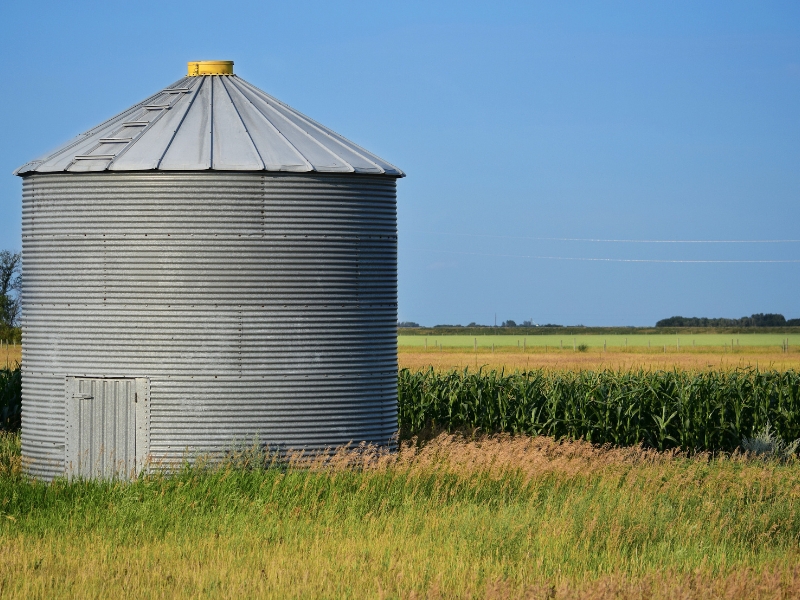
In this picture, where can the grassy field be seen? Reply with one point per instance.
(710, 342)
(488, 518)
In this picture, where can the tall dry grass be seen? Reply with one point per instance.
(10, 356)
(491, 517)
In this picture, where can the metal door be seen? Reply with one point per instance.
(107, 427)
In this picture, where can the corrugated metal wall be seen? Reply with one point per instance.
(260, 306)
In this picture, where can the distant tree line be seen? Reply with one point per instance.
(757, 320)
(512, 323)
(10, 286)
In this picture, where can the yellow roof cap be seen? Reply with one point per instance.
(210, 67)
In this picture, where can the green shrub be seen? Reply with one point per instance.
(768, 445)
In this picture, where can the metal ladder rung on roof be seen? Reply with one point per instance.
(157, 107)
(136, 124)
(115, 140)
(95, 157)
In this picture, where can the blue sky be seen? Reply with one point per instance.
(514, 122)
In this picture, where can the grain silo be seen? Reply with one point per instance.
(208, 268)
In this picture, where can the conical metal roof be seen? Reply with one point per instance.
(204, 122)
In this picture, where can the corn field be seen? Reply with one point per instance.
(10, 398)
(693, 411)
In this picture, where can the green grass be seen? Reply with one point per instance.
(656, 341)
(500, 517)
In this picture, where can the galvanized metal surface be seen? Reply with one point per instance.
(262, 307)
(107, 425)
(211, 122)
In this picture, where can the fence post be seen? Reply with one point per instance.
(426, 344)
(679, 345)
(476, 344)
(573, 345)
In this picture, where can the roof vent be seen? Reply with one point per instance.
(210, 67)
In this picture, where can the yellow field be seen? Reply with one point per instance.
(511, 358)
(10, 355)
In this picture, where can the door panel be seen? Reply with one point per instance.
(107, 421)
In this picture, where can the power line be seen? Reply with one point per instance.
(625, 260)
(603, 240)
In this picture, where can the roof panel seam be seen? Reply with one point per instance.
(308, 135)
(300, 155)
(145, 130)
(210, 123)
(247, 131)
(129, 144)
(180, 123)
(324, 131)
(340, 139)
